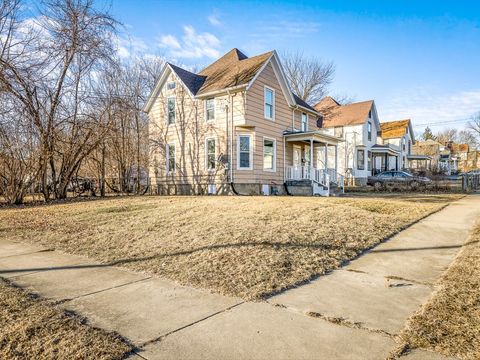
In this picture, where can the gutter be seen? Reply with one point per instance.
(227, 90)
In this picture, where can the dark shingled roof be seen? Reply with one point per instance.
(192, 81)
(303, 103)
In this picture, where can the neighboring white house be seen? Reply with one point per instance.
(358, 125)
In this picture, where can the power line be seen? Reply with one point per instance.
(444, 122)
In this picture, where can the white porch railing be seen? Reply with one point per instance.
(323, 177)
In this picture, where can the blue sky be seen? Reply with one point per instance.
(418, 59)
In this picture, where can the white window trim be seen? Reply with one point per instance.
(206, 153)
(238, 152)
(301, 123)
(166, 111)
(265, 87)
(214, 109)
(274, 154)
(167, 157)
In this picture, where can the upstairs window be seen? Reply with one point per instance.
(171, 85)
(403, 144)
(304, 124)
(210, 109)
(171, 111)
(369, 131)
(338, 131)
(244, 152)
(211, 156)
(269, 103)
(170, 158)
(370, 114)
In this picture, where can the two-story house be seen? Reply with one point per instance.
(358, 126)
(235, 127)
(399, 136)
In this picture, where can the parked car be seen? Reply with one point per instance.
(397, 178)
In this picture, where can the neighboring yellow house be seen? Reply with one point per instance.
(236, 127)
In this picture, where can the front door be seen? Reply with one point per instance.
(308, 161)
(297, 162)
(297, 156)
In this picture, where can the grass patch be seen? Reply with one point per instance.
(250, 247)
(32, 328)
(449, 323)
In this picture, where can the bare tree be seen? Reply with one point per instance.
(48, 68)
(474, 125)
(309, 77)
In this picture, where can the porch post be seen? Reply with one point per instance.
(386, 162)
(336, 158)
(326, 156)
(311, 158)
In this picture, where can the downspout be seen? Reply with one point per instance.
(230, 99)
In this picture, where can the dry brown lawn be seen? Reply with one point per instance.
(449, 322)
(250, 247)
(32, 328)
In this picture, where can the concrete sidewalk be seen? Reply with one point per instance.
(353, 313)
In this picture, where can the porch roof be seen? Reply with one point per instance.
(418, 157)
(384, 149)
(316, 136)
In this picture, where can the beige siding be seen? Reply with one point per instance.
(263, 127)
(189, 134)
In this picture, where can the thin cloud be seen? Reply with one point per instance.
(214, 20)
(426, 106)
(192, 44)
(287, 29)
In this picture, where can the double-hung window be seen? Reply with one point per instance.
(369, 161)
(304, 125)
(170, 158)
(369, 131)
(171, 111)
(361, 159)
(210, 109)
(245, 152)
(171, 85)
(210, 154)
(269, 154)
(269, 100)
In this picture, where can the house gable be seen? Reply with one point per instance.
(280, 76)
(169, 70)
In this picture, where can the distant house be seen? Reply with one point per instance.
(399, 136)
(358, 126)
(442, 158)
(460, 153)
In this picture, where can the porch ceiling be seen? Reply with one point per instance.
(316, 136)
(385, 151)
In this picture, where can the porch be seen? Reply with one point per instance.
(313, 157)
(419, 162)
(384, 158)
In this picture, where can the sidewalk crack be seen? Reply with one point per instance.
(347, 323)
(188, 325)
(59, 302)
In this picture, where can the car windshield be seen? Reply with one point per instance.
(386, 174)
